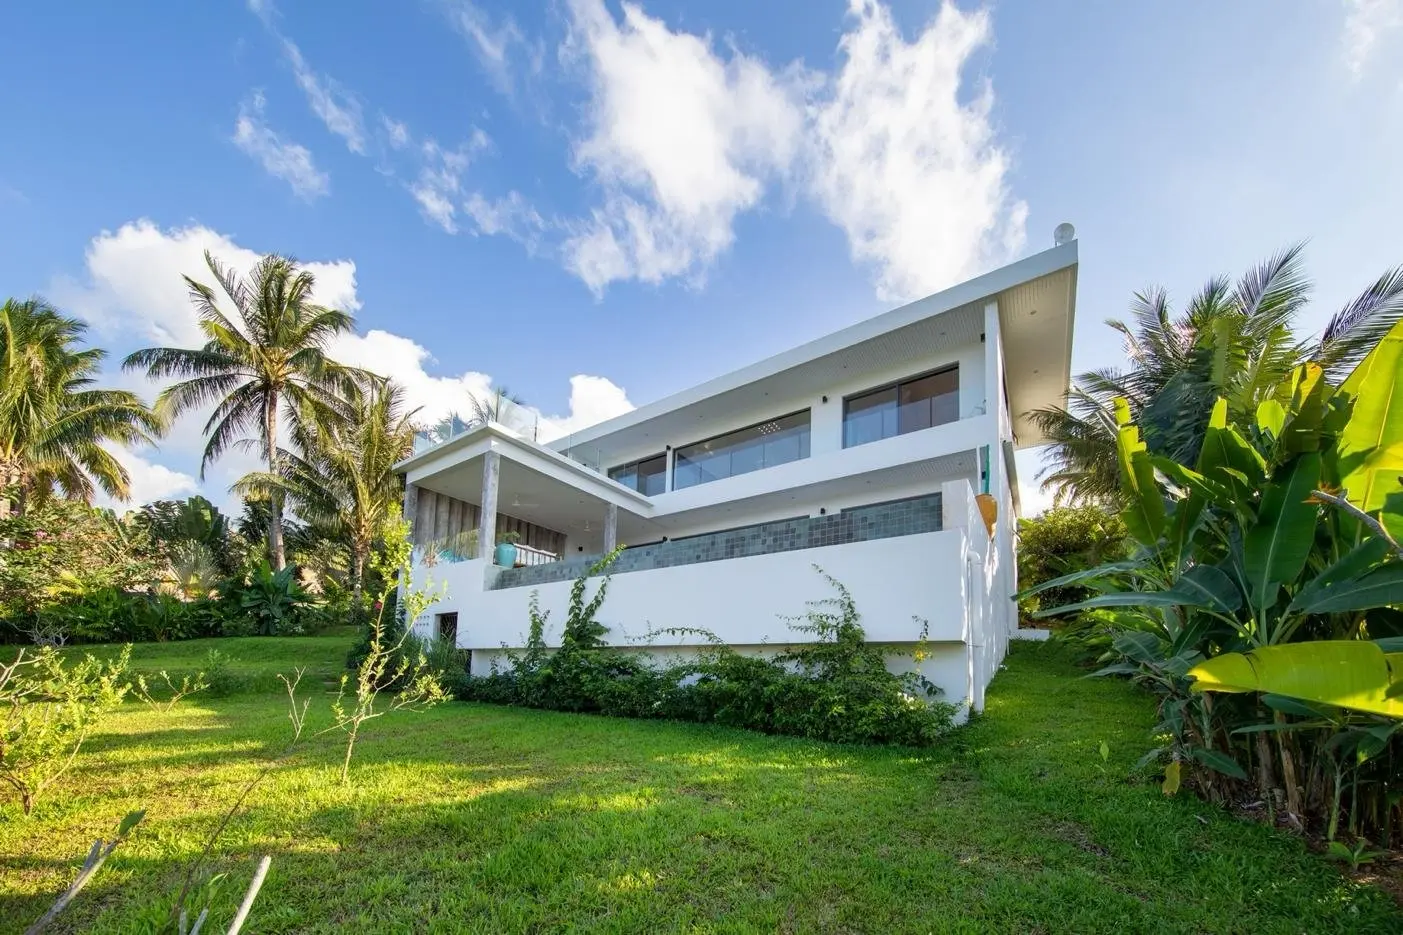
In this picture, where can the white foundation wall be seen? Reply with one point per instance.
(740, 600)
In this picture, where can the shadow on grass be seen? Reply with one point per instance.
(474, 817)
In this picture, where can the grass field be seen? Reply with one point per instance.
(474, 818)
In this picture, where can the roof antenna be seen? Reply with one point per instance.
(1065, 233)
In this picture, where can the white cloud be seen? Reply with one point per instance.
(911, 174)
(1366, 21)
(513, 216)
(334, 105)
(500, 47)
(592, 400)
(280, 158)
(134, 288)
(440, 179)
(679, 139)
(132, 293)
(395, 131)
(149, 481)
(681, 135)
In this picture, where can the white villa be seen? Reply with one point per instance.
(865, 452)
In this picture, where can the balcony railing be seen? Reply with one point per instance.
(463, 548)
(530, 555)
(905, 517)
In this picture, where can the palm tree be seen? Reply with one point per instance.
(267, 360)
(342, 479)
(53, 423)
(1234, 342)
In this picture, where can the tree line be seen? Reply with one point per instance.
(328, 436)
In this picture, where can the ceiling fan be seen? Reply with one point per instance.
(516, 503)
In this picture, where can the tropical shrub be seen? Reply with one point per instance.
(1062, 540)
(1263, 573)
(58, 552)
(271, 599)
(50, 708)
(836, 688)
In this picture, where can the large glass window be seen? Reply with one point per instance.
(648, 476)
(909, 406)
(777, 441)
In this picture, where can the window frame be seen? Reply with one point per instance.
(896, 385)
(609, 473)
(672, 474)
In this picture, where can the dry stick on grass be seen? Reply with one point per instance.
(96, 857)
(297, 715)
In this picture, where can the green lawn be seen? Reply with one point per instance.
(482, 819)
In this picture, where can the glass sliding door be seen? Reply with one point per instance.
(908, 406)
(753, 448)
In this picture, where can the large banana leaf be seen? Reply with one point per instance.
(1370, 447)
(1202, 586)
(1346, 673)
(1307, 397)
(1278, 544)
(1381, 587)
(1337, 579)
(1085, 574)
(1228, 457)
(1144, 516)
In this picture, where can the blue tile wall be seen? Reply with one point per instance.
(858, 524)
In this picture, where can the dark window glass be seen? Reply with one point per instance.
(909, 406)
(869, 417)
(648, 477)
(778, 441)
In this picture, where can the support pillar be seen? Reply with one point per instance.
(487, 522)
(411, 511)
(611, 528)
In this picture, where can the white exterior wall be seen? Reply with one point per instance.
(938, 582)
(826, 419)
(954, 581)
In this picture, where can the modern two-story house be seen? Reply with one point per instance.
(881, 453)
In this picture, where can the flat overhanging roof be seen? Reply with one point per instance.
(1037, 305)
(536, 473)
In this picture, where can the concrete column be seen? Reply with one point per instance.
(411, 511)
(487, 521)
(611, 527)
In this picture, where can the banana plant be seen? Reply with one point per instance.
(1354, 674)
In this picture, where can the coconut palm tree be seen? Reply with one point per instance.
(53, 423)
(1232, 341)
(264, 362)
(341, 480)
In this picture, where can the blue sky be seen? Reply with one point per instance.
(642, 196)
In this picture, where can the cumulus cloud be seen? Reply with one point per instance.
(1366, 22)
(336, 107)
(133, 285)
(911, 174)
(132, 294)
(149, 481)
(679, 138)
(681, 134)
(279, 157)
